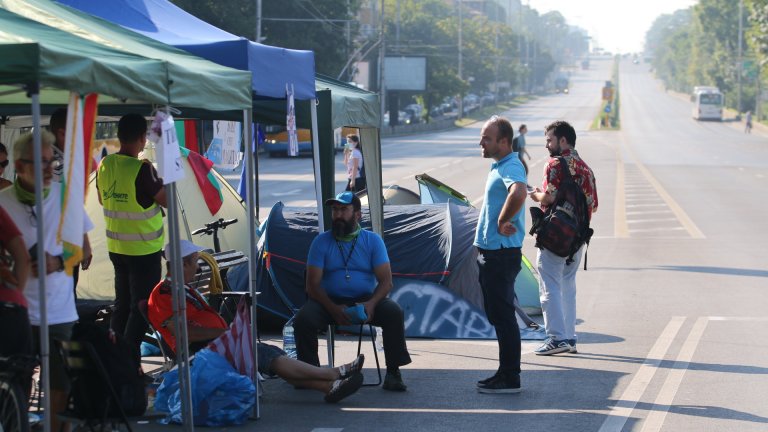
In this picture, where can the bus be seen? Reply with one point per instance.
(707, 103)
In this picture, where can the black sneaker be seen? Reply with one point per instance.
(344, 387)
(487, 380)
(502, 383)
(393, 381)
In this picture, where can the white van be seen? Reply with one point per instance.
(707, 103)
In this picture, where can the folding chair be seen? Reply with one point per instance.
(87, 374)
(331, 338)
(169, 357)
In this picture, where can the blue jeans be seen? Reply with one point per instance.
(498, 271)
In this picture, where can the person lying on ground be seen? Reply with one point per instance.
(205, 324)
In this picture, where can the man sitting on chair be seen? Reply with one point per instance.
(348, 266)
(205, 324)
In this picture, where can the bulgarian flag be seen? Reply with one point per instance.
(78, 145)
(209, 186)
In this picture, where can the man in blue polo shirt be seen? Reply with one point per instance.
(499, 237)
(348, 266)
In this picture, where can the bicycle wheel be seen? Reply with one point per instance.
(13, 408)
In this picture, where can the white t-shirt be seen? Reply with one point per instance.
(354, 155)
(60, 299)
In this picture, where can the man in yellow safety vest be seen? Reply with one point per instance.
(132, 195)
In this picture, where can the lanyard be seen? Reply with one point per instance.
(348, 257)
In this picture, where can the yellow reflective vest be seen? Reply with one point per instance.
(131, 229)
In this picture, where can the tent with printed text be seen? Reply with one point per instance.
(432, 257)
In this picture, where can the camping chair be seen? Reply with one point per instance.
(85, 371)
(169, 357)
(331, 338)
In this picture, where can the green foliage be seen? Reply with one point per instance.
(699, 46)
(314, 28)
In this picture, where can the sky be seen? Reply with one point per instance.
(618, 26)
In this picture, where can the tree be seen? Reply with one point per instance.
(321, 26)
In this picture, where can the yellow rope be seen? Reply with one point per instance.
(215, 286)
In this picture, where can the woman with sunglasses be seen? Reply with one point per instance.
(4, 183)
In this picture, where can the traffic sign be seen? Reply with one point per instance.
(607, 108)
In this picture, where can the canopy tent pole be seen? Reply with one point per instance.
(316, 161)
(179, 306)
(250, 191)
(45, 355)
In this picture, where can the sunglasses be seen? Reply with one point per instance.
(4, 164)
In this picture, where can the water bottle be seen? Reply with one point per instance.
(289, 342)
(379, 339)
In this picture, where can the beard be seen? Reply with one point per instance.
(343, 227)
(555, 152)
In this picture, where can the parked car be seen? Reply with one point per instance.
(415, 113)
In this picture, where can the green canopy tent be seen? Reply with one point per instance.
(42, 63)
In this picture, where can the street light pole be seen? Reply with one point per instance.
(461, 64)
(382, 84)
(258, 21)
(741, 61)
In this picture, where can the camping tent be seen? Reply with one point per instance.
(433, 266)
(97, 282)
(334, 105)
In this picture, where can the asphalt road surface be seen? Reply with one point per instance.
(672, 311)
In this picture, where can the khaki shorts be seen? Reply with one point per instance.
(59, 380)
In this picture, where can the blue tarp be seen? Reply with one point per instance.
(272, 67)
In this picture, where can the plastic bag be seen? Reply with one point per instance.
(220, 395)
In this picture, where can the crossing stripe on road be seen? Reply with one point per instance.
(621, 411)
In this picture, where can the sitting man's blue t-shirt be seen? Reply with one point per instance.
(367, 252)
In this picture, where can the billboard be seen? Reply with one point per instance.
(405, 73)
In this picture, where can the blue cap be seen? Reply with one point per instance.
(345, 198)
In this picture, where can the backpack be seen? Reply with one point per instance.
(564, 228)
(515, 144)
(89, 396)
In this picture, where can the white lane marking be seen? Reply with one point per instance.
(666, 395)
(290, 192)
(621, 411)
(620, 227)
(327, 429)
(753, 319)
(646, 212)
(660, 229)
(471, 411)
(646, 205)
(637, 221)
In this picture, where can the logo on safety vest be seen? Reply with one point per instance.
(111, 194)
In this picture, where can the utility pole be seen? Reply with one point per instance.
(382, 83)
(397, 28)
(461, 65)
(741, 60)
(258, 21)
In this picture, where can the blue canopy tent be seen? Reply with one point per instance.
(273, 68)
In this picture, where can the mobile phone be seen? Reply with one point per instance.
(529, 187)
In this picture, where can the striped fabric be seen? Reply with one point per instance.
(236, 345)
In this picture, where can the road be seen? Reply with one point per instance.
(672, 319)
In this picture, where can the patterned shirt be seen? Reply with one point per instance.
(581, 173)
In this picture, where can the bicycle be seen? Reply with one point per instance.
(225, 307)
(15, 386)
(212, 228)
